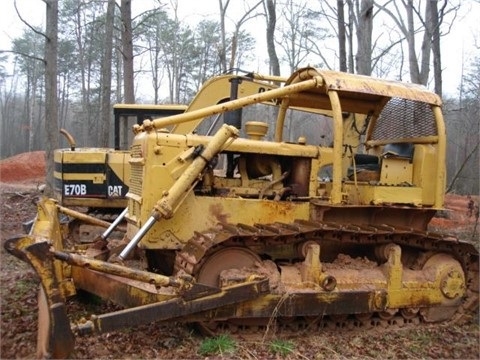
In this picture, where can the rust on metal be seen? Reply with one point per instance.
(177, 308)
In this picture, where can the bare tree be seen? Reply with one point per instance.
(81, 22)
(426, 23)
(342, 50)
(343, 29)
(233, 46)
(107, 74)
(249, 14)
(29, 51)
(127, 52)
(463, 128)
(127, 58)
(151, 28)
(300, 35)
(294, 36)
(351, 24)
(176, 42)
(364, 37)
(222, 51)
(437, 56)
(418, 72)
(11, 109)
(51, 98)
(271, 17)
(8, 102)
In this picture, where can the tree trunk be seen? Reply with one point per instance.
(426, 46)
(127, 47)
(51, 101)
(127, 57)
(364, 38)
(437, 58)
(84, 70)
(342, 47)
(118, 72)
(418, 74)
(351, 20)
(32, 102)
(107, 75)
(271, 15)
(223, 46)
(234, 47)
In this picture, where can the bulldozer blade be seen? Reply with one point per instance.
(14, 245)
(55, 337)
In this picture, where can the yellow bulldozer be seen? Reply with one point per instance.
(235, 225)
(97, 178)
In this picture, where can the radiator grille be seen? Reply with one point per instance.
(136, 171)
(136, 151)
(134, 210)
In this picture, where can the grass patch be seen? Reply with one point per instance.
(22, 288)
(220, 345)
(281, 347)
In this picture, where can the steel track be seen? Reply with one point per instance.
(263, 236)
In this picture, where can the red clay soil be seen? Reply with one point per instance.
(23, 167)
(461, 212)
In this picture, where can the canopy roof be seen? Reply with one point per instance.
(358, 93)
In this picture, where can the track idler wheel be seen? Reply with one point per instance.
(225, 259)
(452, 286)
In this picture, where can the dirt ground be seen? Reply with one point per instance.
(20, 178)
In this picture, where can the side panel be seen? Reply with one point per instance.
(91, 177)
(199, 213)
(117, 174)
(57, 175)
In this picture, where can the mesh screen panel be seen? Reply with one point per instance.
(402, 118)
(136, 171)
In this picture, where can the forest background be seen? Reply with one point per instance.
(67, 68)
